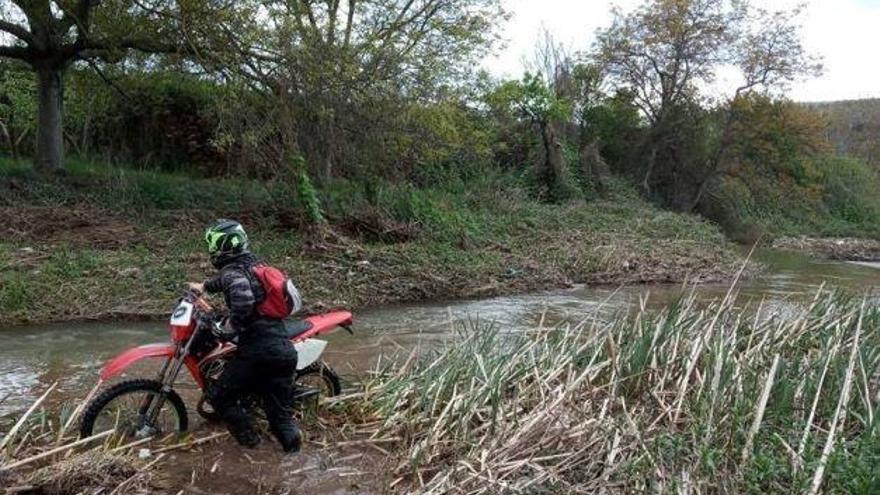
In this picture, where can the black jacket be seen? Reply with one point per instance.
(243, 293)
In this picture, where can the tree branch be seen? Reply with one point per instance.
(79, 17)
(332, 12)
(311, 15)
(348, 23)
(17, 31)
(84, 49)
(16, 52)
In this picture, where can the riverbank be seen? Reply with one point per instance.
(111, 243)
(842, 249)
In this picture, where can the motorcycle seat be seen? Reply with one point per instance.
(295, 328)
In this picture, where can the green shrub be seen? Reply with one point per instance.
(309, 197)
(836, 198)
(16, 293)
(850, 190)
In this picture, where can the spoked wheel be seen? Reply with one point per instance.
(321, 377)
(123, 408)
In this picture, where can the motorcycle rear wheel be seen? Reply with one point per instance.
(121, 408)
(328, 384)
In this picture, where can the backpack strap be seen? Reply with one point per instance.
(256, 285)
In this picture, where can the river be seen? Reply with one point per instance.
(34, 357)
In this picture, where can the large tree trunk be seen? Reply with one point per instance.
(593, 166)
(10, 141)
(649, 170)
(553, 173)
(49, 156)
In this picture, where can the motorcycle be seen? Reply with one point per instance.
(140, 407)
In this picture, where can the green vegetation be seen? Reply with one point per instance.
(785, 182)
(342, 111)
(693, 397)
(369, 159)
(68, 254)
(853, 127)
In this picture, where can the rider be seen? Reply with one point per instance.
(265, 363)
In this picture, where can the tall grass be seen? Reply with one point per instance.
(696, 398)
(42, 453)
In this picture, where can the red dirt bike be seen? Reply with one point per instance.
(141, 408)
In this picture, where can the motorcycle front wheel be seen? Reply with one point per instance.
(123, 407)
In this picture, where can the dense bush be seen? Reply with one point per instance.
(850, 190)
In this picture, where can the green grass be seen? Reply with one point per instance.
(103, 185)
(104, 241)
(651, 402)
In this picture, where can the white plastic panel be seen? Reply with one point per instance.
(309, 351)
(182, 314)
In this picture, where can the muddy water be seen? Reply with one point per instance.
(32, 358)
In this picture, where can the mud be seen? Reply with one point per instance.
(77, 227)
(223, 467)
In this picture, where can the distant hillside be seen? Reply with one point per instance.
(854, 127)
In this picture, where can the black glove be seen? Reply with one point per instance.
(222, 331)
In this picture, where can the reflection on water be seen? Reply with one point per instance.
(32, 358)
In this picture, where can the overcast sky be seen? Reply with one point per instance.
(846, 33)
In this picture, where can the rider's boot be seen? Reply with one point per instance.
(245, 436)
(278, 404)
(240, 426)
(288, 435)
(237, 420)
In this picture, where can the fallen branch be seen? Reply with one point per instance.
(191, 443)
(132, 444)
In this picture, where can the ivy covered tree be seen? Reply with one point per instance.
(534, 101)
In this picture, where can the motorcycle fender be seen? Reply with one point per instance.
(308, 351)
(123, 361)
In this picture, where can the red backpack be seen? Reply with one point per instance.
(281, 298)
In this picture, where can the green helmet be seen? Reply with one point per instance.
(226, 239)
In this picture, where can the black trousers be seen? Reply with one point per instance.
(264, 369)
